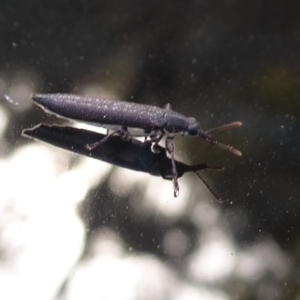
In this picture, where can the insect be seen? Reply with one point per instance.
(129, 120)
(123, 153)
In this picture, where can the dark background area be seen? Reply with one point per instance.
(218, 61)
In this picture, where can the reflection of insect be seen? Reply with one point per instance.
(126, 154)
(131, 119)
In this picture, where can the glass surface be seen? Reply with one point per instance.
(74, 227)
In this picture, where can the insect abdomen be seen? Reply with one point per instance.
(102, 111)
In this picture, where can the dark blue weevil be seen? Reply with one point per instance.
(126, 154)
(131, 119)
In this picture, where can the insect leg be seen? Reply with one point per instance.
(122, 132)
(171, 149)
(219, 199)
(155, 140)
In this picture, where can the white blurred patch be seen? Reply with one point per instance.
(113, 275)
(262, 259)
(176, 243)
(151, 193)
(215, 259)
(18, 93)
(81, 125)
(92, 171)
(123, 181)
(3, 120)
(41, 235)
(205, 214)
(105, 242)
(111, 272)
(189, 292)
(159, 195)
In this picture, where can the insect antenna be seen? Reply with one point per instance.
(225, 127)
(209, 139)
(226, 147)
(213, 142)
(218, 198)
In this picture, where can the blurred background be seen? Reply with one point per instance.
(76, 228)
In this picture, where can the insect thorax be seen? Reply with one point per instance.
(177, 123)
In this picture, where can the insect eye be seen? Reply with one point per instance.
(193, 127)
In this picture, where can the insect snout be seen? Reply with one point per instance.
(193, 126)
